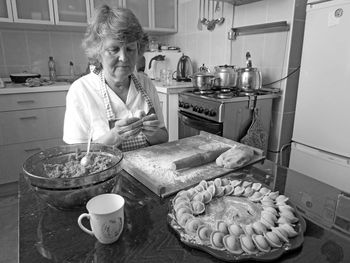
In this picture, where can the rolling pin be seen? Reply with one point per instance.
(198, 159)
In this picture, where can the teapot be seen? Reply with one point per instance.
(249, 78)
(226, 76)
(184, 69)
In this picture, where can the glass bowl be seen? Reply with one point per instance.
(71, 192)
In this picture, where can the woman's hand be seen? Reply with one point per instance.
(152, 130)
(150, 125)
(126, 128)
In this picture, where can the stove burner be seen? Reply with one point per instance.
(225, 95)
(203, 92)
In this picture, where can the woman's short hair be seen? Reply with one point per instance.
(118, 23)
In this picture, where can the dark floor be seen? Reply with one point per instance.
(8, 226)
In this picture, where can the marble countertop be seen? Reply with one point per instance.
(13, 88)
(51, 235)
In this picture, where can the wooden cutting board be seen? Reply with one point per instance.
(152, 165)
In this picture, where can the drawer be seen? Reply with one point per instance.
(31, 125)
(22, 101)
(13, 156)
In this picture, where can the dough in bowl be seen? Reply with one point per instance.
(235, 157)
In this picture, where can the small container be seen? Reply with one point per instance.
(52, 69)
(71, 71)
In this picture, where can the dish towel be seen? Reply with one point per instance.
(256, 135)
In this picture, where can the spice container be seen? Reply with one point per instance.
(52, 69)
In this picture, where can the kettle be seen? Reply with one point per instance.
(249, 79)
(184, 69)
(156, 64)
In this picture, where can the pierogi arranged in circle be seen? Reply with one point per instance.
(240, 217)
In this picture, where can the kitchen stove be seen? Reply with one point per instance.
(226, 112)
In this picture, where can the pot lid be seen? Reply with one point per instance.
(225, 68)
(24, 74)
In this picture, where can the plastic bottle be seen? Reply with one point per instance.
(71, 71)
(52, 69)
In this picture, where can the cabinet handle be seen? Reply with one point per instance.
(28, 118)
(25, 101)
(33, 149)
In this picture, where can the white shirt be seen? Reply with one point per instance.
(85, 106)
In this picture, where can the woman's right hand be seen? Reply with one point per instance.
(126, 128)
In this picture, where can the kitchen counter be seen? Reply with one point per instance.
(50, 235)
(13, 88)
(174, 87)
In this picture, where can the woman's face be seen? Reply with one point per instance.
(118, 60)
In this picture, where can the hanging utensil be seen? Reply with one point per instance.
(212, 22)
(199, 24)
(221, 20)
(204, 20)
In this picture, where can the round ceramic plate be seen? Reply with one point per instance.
(192, 241)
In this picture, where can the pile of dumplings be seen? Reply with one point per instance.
(274, 228)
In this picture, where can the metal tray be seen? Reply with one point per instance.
(225, 255)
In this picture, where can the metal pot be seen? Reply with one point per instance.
(202, 80)
(249, 79)
(22, 77)
(226, 76)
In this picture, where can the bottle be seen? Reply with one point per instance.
(52, 69)
(71, 71)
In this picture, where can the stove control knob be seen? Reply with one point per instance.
(186, 105)
(200, 110)
(195, 108)
(181, 104)
(212, 113)
(206, 111)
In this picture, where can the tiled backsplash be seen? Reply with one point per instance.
(275, 54)
(29, 51)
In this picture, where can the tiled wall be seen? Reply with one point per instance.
(275, 54)
(29, 50)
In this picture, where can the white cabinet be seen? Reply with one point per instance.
(169, 101)
(154, 15)
(71, 12)
(113, 3)
(143, 11)
(164, 16)
(49, 12)
(29, 123)
(5, 11)
(33, 11)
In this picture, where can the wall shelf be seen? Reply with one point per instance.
(259, 29)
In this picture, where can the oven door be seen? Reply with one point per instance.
(190, 125)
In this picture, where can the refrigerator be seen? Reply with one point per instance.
(321, 135)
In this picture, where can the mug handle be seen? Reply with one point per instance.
(80, 218)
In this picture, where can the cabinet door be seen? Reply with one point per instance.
(71, 12)
(111, 3)
(5, 11)
(12, 157)
(33, 11)
(142, 10)
(164, 16)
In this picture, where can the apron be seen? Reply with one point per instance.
(140, 140)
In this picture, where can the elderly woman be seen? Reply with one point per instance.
(114, 102)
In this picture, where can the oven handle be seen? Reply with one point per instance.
(200, 123)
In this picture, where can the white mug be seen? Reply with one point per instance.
(106, 215)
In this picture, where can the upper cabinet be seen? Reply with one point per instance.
(112, 3)
(5, 11)
(33, 11)
(154, 15)
(71, 12)
(143, 11)
(164, 15)
(159, 16)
